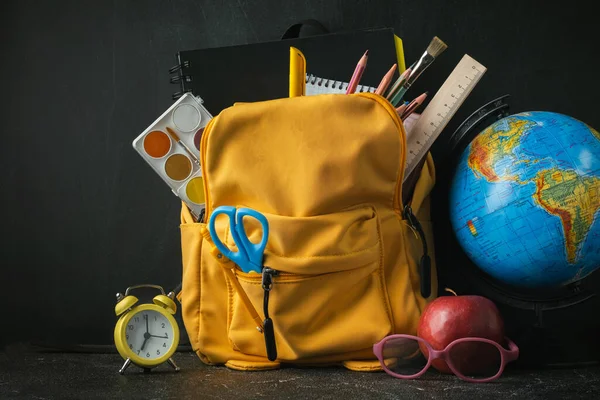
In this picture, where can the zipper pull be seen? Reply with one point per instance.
(267, 285)
(425, 262)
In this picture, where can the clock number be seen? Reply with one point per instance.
(157, 352)
(163, 325)
(164, 344)
(155, 317)
(137, 319)
(126, 336)
(130, 346)
(130, 327)
(166, 335)
(147, 354)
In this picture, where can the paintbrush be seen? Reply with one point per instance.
(435, 48)
(178, 140)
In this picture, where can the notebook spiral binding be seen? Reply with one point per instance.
(180, 78)
(334, 84)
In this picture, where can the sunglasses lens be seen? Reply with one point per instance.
(476, 360)
(403, 356)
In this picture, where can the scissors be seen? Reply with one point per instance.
(249, 256)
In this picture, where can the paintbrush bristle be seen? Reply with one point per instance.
(436, 47)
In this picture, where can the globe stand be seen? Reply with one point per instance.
(555, 327)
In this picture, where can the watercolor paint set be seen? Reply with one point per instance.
(171, 146)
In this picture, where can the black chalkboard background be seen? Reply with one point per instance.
(84, 217)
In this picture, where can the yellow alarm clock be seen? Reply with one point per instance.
(146, 335)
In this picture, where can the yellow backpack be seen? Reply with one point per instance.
(326, 171)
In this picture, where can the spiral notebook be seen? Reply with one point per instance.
(317, 85)
(222, 76)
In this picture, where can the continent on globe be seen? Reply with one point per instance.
(495, 143)
(525, 200)
(572, 198)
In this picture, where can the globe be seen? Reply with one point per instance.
(525, 200)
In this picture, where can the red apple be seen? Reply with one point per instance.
(448, 318)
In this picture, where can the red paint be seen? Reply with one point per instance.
(448, 318)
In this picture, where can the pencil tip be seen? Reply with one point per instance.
(367, 53)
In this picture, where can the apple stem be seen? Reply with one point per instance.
(451, 291)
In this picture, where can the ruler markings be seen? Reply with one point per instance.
(441, 109)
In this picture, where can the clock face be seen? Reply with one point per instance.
(149, 334)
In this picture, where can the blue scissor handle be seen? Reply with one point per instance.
(249, 256)
(254, 251)
(239, 257)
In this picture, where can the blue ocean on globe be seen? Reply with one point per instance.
(525, 200)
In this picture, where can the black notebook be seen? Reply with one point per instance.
(255, 72)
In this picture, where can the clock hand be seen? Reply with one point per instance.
(146, 323)
(162, 337)
(146, 337)
(145, 340)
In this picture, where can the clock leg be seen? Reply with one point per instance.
(124, 367)
(172, 364)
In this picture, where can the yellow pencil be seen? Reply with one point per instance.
(297, 73)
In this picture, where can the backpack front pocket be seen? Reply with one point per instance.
(327, 294)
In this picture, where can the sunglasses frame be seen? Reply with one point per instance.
(506, 356)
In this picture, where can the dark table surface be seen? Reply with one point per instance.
(95, 376)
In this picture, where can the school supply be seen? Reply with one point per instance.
(318, 85)
(386, 80)
(442, 107)
(260, 71)
(400, 110)
(249, 256)
(165, 145)
(297, 72)
(471, 359)
(413, 105)
(342, 261)
(435, 48)
(358, 72)
(397, 85)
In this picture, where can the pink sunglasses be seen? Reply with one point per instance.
(471, 359)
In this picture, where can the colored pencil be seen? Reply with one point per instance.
(385, 82)
(399, 82)
(412, 106)
(358, 72)
(400, 110)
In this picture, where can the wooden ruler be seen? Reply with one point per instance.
(440, 110)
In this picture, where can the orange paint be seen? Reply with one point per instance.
(157, 144)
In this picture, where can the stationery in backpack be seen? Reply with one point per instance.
(260, 71)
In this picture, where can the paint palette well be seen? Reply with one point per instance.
(171, 146)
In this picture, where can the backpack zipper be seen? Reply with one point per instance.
(425, 262)
(269, 332)
(400, 126)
